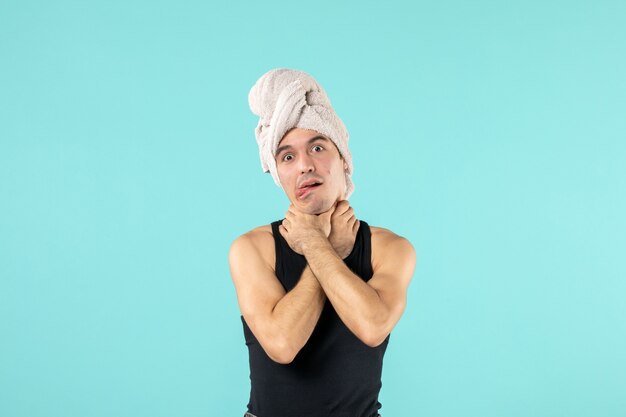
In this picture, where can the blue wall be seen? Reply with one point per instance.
(490, 134)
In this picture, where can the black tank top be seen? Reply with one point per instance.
(334, 374)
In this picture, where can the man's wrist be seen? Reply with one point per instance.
(315, 242)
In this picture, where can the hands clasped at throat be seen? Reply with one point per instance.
(338, 226)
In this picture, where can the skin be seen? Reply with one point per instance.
(321, 226)
(305, 154)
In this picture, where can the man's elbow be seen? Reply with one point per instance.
(282, 358)
(373, 335)
(281, 351)
(373, 339)
(375, 330)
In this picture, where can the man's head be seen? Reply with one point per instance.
(311, 170)
(289, 103)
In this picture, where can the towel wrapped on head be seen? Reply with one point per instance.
(286, 98)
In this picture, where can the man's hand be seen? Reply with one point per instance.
(298, 227)
(344, 227)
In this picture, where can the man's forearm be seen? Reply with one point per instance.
(357, 304)
(297, 313)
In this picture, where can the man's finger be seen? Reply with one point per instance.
(342, 206)
(349, 212)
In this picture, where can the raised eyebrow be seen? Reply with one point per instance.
(318, 138)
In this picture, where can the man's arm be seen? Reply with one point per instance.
(282, 322)
(369, 309)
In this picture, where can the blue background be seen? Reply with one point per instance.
(490, 134)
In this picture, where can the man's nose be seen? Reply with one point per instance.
(306, 164)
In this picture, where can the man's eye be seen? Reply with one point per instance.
(287, 156)
(318, 146)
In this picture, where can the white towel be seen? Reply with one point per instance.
(286, 98)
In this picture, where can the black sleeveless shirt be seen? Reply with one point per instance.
(334, 374)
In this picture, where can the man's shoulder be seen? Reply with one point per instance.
(261, 235)
(258, 241)
(386, 243)
(384, 235)
(260, 231)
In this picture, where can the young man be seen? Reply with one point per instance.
(319, 291)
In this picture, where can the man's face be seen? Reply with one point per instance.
(305, 158)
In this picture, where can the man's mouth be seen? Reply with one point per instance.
(307, 188)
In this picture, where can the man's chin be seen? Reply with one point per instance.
(315, 207)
